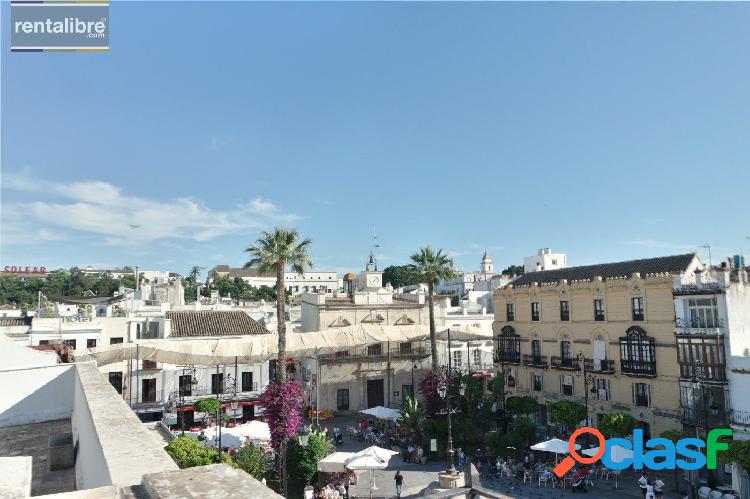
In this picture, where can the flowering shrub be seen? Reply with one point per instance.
(282, 406)
(428, 388)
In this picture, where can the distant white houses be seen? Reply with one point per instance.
(475, 287)
(308, 282)
(545, 260)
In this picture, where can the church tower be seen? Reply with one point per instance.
(487, 266)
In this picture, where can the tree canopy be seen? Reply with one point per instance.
(513, 270)
(401, 275)
(618, 425)
(522, 405)
(567, 413)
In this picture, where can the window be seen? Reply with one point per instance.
(407, 391)
(115, 341)
(477, 357)
(91, 343)
(148, 390)
(375, 350)
(217, 383)
(637, 352)
(536, 350)
(342, 399)
(638, 309)
(342, 354)
(70, 343)
(115, 379)
(457, 358)
(709, 352)
(641, 394)
(564, 311)
(43, 342)
(508, 346)
(247, 381)
(566, 385)
(536, 382)
(404, 348)
(598, 310)
(149, 365)
(535, 311)
(703, 312)
(186, 385)
(510, 316)
(602, 389)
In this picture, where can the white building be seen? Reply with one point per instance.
(476, 287)
(308, 282)
(544, 260)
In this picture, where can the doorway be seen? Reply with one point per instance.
(375, 393)
(148, 390)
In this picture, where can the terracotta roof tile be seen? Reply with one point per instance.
(213, 323)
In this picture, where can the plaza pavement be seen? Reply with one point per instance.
(418, 477)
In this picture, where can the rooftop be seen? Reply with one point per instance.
(213, 323)
(647, 266)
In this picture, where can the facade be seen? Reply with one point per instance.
(308, 282)
(614, 320)
(544, 260)
(466, 281)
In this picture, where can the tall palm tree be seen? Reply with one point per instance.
(433, 266)
(273, 252)
(195, 271)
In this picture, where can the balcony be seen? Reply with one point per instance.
(507, 357)
(601, 366)
(564, 363)
(740, 418)
(698, 328)
(188, 397)
(378, 353)
(713, 417)
(638, 367)
(535, 361)
(713, 373)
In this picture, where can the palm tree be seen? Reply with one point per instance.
(195, 271)
(273, 252)
(432, 267)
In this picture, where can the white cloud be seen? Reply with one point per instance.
(103, 209)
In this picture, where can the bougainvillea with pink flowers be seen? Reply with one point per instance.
(428, 388)
(282, 406)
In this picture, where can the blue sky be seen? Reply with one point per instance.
(607, 131)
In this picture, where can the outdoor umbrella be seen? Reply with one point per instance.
(254, 430)
(334, 463)
(381, 412)
(617, 454)
(371, 458)
(555, 445)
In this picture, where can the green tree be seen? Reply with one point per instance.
(567, 413)
(432, 267)
(739, 452)
(303, 461)
(618, 425)
(251, 459)
(401, 275)
(272, 252)
(411, 417)
(522, 405)
(513, 270)
(188, 452)
(524, 428)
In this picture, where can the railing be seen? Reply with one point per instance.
(711, 418)
(706, 288)
(740, 417)
(600, 365)
(196, 393)
(535, 360)
(507, 357)
(638, 367)
(599, 316)
(637, 315)
(510, 317)
(396, 351)
(698, 328)
(564, 315)
(564, 363)
(708, 373)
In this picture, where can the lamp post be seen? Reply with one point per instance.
(587, 380)
(444, 392)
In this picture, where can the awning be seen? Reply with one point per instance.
(262, 347)
(252, 402)
(334, 463)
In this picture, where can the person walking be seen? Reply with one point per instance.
(650, 490)
(399, 479)
(643, 483)
(659, 487)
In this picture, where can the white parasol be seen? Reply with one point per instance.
(381, 412)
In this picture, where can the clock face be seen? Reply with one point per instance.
(373, 281)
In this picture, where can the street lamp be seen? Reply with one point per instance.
(587, 380)
(304, 436)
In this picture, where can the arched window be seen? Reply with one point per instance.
(637, 352)
(508, 346)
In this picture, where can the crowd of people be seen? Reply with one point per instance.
(337, 486)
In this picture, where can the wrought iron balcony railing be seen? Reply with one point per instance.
(711, 417)
(741, 418)
(638, 367)
(378, 353)
(707, 373)
(507, 357)
(699, 328)
(535, 360)
(564, 363)
(604, 366)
